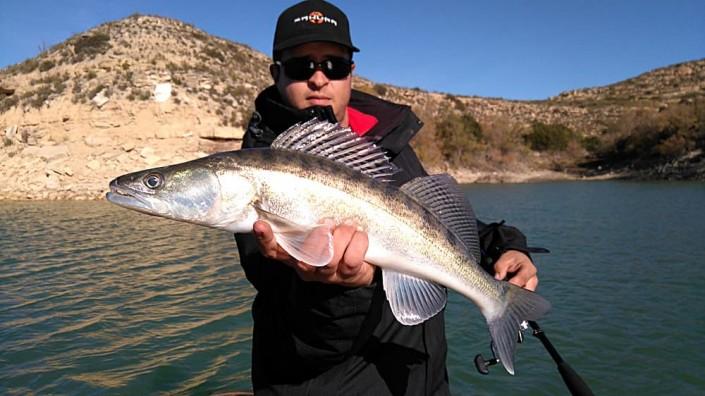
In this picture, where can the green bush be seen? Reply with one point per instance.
(46, 65)
(39, 96)
(8, 102)
(380, 89)
(25, 67)
(460, 135)
(214, 53)
(457, 103)
(91, 45)
(646, 137)
(549, 137)
(591, 143)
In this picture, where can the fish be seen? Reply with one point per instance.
(423, 235)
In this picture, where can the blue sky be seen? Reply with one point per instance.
(516, 49)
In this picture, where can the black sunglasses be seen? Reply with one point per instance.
(301, 69)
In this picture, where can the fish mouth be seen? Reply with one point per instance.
(129, 198)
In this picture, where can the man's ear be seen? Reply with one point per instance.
(275, 70)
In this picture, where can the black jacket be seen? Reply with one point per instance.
(318, 339)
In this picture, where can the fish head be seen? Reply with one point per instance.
(193, 192)
(175, 192)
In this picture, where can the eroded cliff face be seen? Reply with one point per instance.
(128, 95)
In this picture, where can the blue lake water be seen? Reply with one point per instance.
(95, 299)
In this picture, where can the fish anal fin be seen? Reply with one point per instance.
(411, 299)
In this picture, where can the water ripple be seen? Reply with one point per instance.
(95, 299)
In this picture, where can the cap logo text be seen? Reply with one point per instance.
(316, 18)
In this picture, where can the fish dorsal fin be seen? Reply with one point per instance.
(411, 299)
(443, 197)
(337, 143)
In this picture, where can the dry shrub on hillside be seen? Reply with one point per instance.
(549, 137)
(457, 140)
(425, 143)
(461, 138)
(643, 136)
(504, 142)
(46, 65)
(88, 46)
(25, 67)
(8, 102)
(379, 89)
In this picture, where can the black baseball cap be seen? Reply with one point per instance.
(309, 21)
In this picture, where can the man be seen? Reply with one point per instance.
(330, 330)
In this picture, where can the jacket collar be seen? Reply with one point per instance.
(396, 125)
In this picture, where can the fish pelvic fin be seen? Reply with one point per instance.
(311, 244)
(521, 305)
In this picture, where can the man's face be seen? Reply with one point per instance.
(317, 90)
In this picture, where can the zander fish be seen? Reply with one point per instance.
(423, 235)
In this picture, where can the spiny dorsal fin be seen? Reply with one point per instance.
(332, 141)
(443, 197)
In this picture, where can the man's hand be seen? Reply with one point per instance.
(518, 268)
(346, 268)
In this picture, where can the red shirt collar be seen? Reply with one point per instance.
(359, 122)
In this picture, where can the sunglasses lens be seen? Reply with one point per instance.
(303, 68)
(336, 68)
(299, 68)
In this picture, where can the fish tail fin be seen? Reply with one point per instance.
(521, 305)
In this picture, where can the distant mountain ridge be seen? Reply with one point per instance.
(146, 91)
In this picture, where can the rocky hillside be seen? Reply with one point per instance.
(147, 91)
(130, 94)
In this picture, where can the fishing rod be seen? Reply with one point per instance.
(573, 381)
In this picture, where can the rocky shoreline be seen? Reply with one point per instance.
(57, 180)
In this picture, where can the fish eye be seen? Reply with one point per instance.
(153, 180)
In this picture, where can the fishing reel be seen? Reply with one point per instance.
(483, 365)
(575, 384)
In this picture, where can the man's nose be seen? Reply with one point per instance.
(318, 80)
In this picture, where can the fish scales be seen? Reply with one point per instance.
(367, 201)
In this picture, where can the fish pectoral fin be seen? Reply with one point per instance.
(311, 244)
(413, 300)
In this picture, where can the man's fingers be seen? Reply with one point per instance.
(262, 231)
(310, 273)
(522, 276)
(342, 235)
(532, 283)
(347, 266)
(354, 255)
(504, 265)
(268, 245)
(518, 267)
(265, 238)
